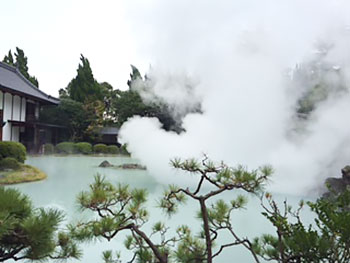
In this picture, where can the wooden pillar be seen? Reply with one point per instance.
(36, 139)
(1, 123)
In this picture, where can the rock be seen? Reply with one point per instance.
(338, 185)
(132, 166)
(105, 164)
(346, 174)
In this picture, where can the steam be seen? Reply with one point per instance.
(175, 90)
(250, 65)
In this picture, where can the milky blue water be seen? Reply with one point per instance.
(67, 176)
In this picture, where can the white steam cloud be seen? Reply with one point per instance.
(238, 56)
(175, 90)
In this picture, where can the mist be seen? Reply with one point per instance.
(249, 64)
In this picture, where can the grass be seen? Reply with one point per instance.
(80, 154)
(25, 174)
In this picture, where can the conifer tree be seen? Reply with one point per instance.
(134, 75)
(21, 64)
(84, 88)
(29, 233)
(119, 209)
(326, 240)
(8, 59)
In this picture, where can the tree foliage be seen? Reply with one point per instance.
(86, 105)
(21, 63)
(29, 233)
(326, 240)
(73, 115)
(84, 88)
(8, 59)
(129, 103)
(120, 208)
(215, 216)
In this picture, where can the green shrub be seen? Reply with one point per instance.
(13, 149)
(49, 148)
(65, 147)
(83, 147)
(9, 163)
(113, 149)
(123, 149)
(100, 148)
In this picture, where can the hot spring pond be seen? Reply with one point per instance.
(67, 176)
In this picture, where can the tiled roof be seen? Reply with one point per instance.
(12, 80)
(109, 131)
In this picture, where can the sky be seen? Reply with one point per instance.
(53, 34)
(234, 56)
(113, 34)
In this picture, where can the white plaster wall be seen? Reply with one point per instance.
(37, 108)
(15, 134)
(23, 115)
(7, 106)
(16, 108)
(6, 130)
(1, 94)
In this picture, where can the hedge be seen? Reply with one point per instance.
(14, 150)
(83, 147)
(49, 148)
(100, 148)
(66, 147)
(9, 163)
(112, 149)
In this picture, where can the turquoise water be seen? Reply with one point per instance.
(67, 176)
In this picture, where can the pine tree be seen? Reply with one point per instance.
(119, 208)
(9, 59)
(29, 233)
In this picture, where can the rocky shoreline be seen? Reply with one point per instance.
(338, 185)
(126, 166)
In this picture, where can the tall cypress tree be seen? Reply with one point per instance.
(9, 59)
(84, 88)
(21, 64)
(134, 75)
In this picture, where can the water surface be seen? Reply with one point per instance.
(67, 176)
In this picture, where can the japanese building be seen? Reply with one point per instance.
(20, 104)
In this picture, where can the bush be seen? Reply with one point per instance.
(113, 149)
(15, 150)
(49, 148)
(9, 163)
(83, 147)
(65, 147)
(124, 150)
(100, 148)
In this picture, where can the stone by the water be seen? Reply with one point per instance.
(105, 164)
(346, 174)
(338, 185)
(132, 166)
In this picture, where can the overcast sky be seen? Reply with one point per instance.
(113, 34)
(53, 34)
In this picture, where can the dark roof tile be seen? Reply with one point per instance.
(12, 79)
